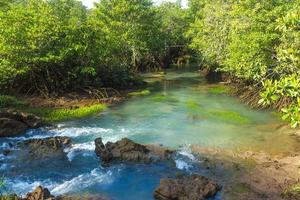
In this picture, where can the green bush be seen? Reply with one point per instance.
(10, 101)
(256, 41)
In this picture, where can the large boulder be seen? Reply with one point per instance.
(13, 123)
(30, 120)
(10, 127)
(129, 151)
(41, 149)
(194, 187)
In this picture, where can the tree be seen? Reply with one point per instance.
(256, 41)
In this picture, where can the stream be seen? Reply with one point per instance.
(182, 110)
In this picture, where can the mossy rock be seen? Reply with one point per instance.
(229, 116)
(139, 93)
(219, 89)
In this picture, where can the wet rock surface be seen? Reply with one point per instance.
(194, 187)
(11, 127)
(44, 154)
(129, 151)
(38, 149)
(13, 123)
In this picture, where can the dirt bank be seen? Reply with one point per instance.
(251, 175)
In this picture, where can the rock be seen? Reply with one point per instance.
(11, 127)
(39, 149)
(194, 187)
(30, 120)
(39, 193)
(127, 150)
(13, 123)
(6, 152)
(159, 152)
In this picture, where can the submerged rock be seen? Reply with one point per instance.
(13, 123)
(194, 187)
(127, 150)
(39, 149)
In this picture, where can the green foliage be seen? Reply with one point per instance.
(55, 115)
(257, 41)
(139, 93)
(292, 191)
(10, 101)
(57, 45)
(173, 23)
(287, 88)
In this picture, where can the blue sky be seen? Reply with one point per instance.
(89, 3)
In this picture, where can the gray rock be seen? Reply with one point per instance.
(129, 151)
(30, 120)
(11, 127)
(45, 148)
(194, 187)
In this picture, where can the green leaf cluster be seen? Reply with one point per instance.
(257, 41)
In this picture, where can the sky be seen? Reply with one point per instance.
(89, 3)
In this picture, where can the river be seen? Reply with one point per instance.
(181, 110)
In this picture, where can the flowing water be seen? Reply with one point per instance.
(181, 110)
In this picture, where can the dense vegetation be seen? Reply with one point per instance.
(52, 46)
(256, 41)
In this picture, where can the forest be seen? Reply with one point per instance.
(146, 99)
(49, 47)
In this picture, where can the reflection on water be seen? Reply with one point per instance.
(179, 111)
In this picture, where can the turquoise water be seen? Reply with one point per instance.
(180, 111)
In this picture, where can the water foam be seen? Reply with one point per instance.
(85, 149)
(96, 176)
(77, 132)
(185, 159)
